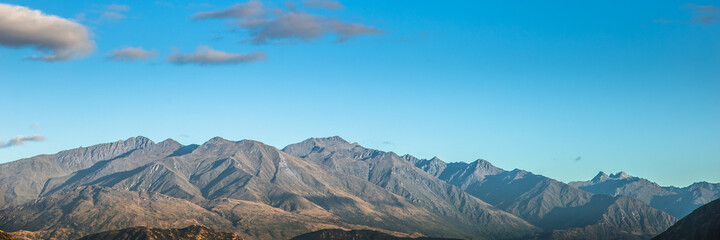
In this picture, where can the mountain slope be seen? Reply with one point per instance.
(564, 210)
(5, 236)
(391, 172)
(249, 187)
(703, 223)
(146, 233)
(93, 209)
(338, 234)
(676, 201)
(25, 179)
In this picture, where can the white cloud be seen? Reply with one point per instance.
(272, 25)
(131, 54)
(303, 26)
(21, 140)
(59, 38)
(204, 55)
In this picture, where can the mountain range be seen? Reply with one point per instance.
(262, 192)
(563, 211)
(678, 202)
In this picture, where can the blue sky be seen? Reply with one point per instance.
(559, 88)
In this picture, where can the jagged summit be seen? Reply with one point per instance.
(601, 176)
(334, 141)
(620, 175)
(484, 164)
(309, 145)
(139, 142)
(331, 139)
(677, 201)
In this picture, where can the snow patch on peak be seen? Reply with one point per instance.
(620, 175)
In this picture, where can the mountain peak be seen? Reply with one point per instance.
(601, 176)
(484, 168)
(486, 164)
(170, 142)
(311, 144)
(141, 141)
(217, 140)
(334, 140)
(620, 175)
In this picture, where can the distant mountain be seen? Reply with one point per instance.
(5, 236)
(338, 234)
(146, 233)
(677, 201)
(244, 186)
(565, 212)
(703, 223)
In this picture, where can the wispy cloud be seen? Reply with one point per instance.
(702, 14)
(326, 4)
(21, 140)
(101, 14)
(35, 126)
(115, 12)
(131, 54)
(118, 8)
(701, 8)
(265, 25)
(59, 38)
(113, 15)
(248, 9)
(705, 19)
(164, 4)
(205, 55)
(303, 26)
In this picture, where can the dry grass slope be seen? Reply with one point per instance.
(195, 232)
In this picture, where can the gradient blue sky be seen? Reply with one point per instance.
(559, 88)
